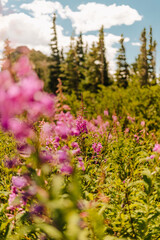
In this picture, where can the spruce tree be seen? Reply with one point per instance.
(122, 71)
(104, 78)
(80, 58)
(142, 60)
(96, 65)
(92, 72)
(54, 59)
(69, 69)
(151, 58)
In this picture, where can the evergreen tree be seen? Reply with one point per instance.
(96, 65)
(54, 59)
(104, 78)
(122, 72)
(80, 57)
(69, 69)
(92, 72)
(142, 60)
(151, 58)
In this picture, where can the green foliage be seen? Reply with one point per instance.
(70, 69)
(54, 66)
(142, 60)
(133, 101)
(122, 72)
(152, 59)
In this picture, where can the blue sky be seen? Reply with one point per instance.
(28, 22)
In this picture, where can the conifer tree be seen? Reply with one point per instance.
(96, 65)
(142, 60)
(104, 77)
(151, 58)
(54, 59)
(80, 57)
(122, 72)
(69, 69)
(92, 72)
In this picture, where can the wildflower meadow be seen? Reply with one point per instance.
(74, 170)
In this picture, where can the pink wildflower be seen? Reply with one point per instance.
(81, 163)
(11, 163)
(22, 67)
(106, 113)
(62, 130)
(81, 125)
(63, 156)
(74, 145)
(67, 169)
(131, 119)
(114, 117)
(97, 147)
(143, 123)
(156, 148)
(19, 181)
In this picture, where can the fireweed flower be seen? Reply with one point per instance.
(63, 156)
(97, 147)
(62, 130)
(37, 210)
(19, 182)
(156, 148)
(22, 67)
(143, 123)
(131, 119)
(21, 96)
(19, 128)
(66, 169)
(81, 125)
(45, 156)
(64, 162)
(81, 163)
(11, 163)
(126, 130)
(24, 149)
(11, 201)
(76, 151)
(106, 113)
(75, 145)
(114, 117)
(12, 196)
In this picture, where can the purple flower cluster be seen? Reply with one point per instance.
(22, 96)
(81, 125)
(97, 147)
(156, 148)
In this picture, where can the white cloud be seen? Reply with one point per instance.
(136, 44)
(26, 30)
(4, 2)
(42, 7)
(89, 17)
(35, 32)
(92, 16)
(32, 32)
